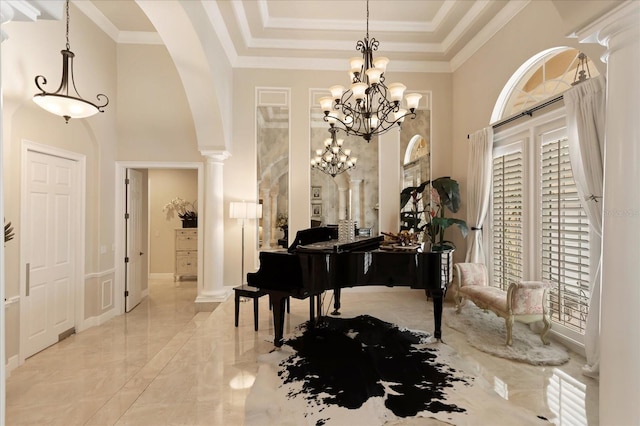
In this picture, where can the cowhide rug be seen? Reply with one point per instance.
(364, 371)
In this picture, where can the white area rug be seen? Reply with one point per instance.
(314, 398)
(488, 332)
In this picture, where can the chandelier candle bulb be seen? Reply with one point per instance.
(326, 103)
(356, 63)
(412, 99)
(336, 92)
(374, 75)
(359, 90)
(381, 63)
(396, 91)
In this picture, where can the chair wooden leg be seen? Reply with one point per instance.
(509, 322)
(545, 330)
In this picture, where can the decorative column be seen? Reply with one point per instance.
(266, 219)
(342, 203)
(357, 213)
(212, 289)
(619, 31)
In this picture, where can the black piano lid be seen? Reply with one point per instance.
(334, 246)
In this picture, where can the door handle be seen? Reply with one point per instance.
(28, 289)
(141, 253)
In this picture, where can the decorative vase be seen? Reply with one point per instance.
(346, 231)
(190, 223)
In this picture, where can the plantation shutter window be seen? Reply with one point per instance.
(507, 196)
(564, 237)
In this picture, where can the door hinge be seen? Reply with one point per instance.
(126, 215)
(126, 181)
(126, 259)
(126, 293)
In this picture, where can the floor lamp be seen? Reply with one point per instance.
(244, 211)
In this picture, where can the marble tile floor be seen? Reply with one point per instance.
(165, 364)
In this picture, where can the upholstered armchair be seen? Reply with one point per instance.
(526, 301)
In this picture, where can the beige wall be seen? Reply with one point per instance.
(165, 185)
(479, 81)
(154, 119)
(240, 170)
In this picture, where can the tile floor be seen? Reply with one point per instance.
(165, 364)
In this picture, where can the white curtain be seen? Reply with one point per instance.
(479, 172)
(585, 104)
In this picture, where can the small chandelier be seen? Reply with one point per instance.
(334, 160)
(61, 102)
(369, 107)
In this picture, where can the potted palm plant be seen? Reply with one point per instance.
(8, 232)
(426, 217)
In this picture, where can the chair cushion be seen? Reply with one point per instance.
(489, 297)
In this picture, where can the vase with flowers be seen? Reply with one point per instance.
(185, 210)
(282, 222)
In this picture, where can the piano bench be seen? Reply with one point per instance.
(251, 293)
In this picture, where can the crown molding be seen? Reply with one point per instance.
(498, 22)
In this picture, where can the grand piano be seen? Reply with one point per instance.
(316, 262)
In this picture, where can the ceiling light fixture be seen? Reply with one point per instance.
(369, 107)
(334, 160)
(60, 102)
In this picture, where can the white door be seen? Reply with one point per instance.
(133, 259)
(51, 216)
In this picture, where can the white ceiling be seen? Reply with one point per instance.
(424, 35)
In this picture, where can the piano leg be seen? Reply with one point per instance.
(278, 302)
(336, 302)
(438, 296)
(312, 309)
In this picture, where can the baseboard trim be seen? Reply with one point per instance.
(161, 276)
(12, 363)
(97, 320)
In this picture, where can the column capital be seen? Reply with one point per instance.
(618, 20)
(216, 155)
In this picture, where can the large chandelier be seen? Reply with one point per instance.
(334, 160)
(61, 102)
(369, 107)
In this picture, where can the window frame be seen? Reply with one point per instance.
(528, 136)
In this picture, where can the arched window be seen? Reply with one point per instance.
(538, 229)
(542, 77)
